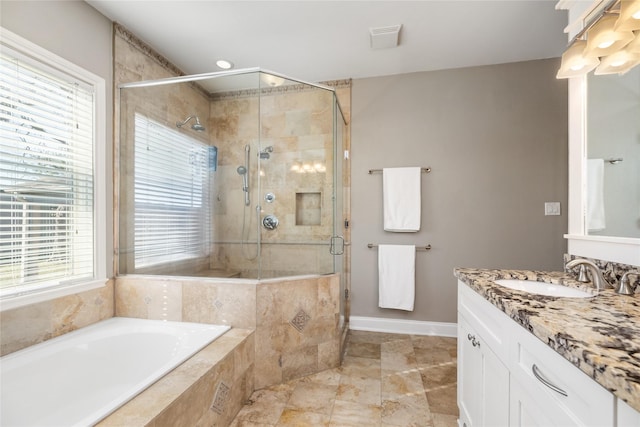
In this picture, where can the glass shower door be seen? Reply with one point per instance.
(297, 179)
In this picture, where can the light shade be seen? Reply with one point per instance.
(618, 63)
(634, 46)
(575, 63)
(603, 39)
(629, 16)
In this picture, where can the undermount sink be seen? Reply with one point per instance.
(542, 288)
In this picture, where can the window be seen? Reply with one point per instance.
(171, 195)
(49, 234)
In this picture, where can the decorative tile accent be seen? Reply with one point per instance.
(220, 398)
(300, 320)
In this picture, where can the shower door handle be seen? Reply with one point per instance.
(333, 246)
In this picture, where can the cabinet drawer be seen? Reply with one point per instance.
(491, 324)
(568, 394)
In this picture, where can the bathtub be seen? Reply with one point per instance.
(79, 378)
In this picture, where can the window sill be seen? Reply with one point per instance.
(11, 302)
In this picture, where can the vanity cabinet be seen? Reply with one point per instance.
(497, 384)
(547, 390)
(483, 377)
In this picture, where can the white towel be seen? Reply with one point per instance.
(595, 195)
(396, 276)
(401, 199)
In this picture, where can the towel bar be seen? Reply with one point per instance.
(423, 170)
(418, 248)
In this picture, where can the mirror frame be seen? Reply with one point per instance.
(617, 249)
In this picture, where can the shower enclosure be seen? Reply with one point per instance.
(233, 174)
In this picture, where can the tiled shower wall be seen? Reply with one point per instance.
(296, 321)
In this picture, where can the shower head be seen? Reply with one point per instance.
(241, 170)
(197, 126)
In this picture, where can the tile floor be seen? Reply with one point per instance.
(385, 380)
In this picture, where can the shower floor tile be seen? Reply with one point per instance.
(385, 380)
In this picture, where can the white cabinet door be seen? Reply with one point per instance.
(558, 390)
(627, 416)
(483, 381)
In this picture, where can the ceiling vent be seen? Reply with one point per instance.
(384, 37)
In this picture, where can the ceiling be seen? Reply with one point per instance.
(328, 40)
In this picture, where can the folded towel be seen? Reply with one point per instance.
(401, 199)
(595, 195)
(396, 276)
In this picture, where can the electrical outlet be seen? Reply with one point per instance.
(551, 208)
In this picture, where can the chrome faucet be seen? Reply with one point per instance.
(597, 278)
(625, 284)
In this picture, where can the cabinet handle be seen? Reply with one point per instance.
(543, 380)
(474, 341)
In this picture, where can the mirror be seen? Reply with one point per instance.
(613, 153)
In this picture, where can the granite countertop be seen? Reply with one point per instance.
(599, 335)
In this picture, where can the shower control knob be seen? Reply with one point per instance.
(269, 197)
(270, 222)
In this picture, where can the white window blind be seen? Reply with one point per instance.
(172, 211)
(46, 176)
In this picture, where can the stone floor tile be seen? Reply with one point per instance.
(398, 361)
(299, 418)
(363, 349)
(406, 383)
(442, 400)
(360, 367)
(407, 411)
(440, 375)
(385, 379)
(350, 414)
(312, 397)
(432, 356)
(442, 420)
(359, 390)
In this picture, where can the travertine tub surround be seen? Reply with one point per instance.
(296, 320)
(206, 390)
(32, 324)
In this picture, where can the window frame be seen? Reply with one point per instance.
(51, 60)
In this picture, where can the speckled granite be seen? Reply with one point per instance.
(599, 335)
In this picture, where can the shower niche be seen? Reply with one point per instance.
(198, 154)
(309, 208)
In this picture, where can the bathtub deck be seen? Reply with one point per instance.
(207, 389)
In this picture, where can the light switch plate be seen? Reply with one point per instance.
(551, 208)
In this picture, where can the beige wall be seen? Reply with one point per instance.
(496, 139)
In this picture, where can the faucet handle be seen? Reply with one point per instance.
(582, 274)
(625, 287)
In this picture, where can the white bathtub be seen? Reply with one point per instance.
(79, 378)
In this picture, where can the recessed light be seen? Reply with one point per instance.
(224, 64)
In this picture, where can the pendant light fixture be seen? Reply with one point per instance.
(618, 63)
(603, 39)
(629, 16)
(607, 42)
(634, 46)
(574, 61)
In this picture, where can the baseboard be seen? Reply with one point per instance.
(396, 326)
